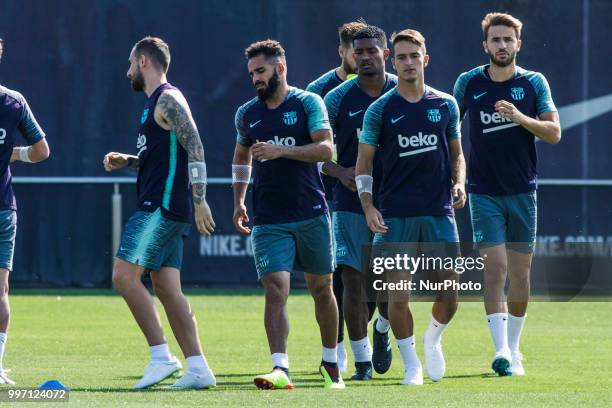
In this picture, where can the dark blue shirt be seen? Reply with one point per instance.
(163, 179)
(346, 106)
(284, 190)
(412, 141)
(503, 155)
(15, 116)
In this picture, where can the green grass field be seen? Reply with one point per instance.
(89, 341)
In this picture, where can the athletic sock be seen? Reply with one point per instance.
(498, 326)
(362, 350)
(330, 355)
(280, 360)
(2, 346)
(408, 352)
(515, 328)
(435, 330)
(197, 365)
(160, 352)
(382, 324)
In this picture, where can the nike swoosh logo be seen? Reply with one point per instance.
(252, 125)
(395, 120)
(580, 112)
(479, 95)
(351, 114)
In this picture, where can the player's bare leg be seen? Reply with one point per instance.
(519, 267)
(5, 313)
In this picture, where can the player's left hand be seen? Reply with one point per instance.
(508, 110)
(203, 218)
(458, 196)
(266, 151)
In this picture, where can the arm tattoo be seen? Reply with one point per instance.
(176, 113)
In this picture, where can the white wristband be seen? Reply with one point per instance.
(241, 173)
(364, 183)
(197, 172)
(24, 154)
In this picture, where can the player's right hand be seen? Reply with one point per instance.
(114, 161)
(375, 220)
(347, 178)
(240, 217)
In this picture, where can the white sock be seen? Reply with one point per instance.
(515, 327)
(197, 365)
(2, 345)
(362, 350)
(161, 352)
(341, 349)
(330, 355)
(408, 352)
(382, 324)
(434, 331)
(498, 326)
(280, 360)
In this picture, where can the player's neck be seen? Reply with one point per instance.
(153, 83)
(411, 91)
(342, 74)
(372, 84)
(279, 96)
(501, 74)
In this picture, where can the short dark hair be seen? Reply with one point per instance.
(156, 49)
(371, 31)
(412, 36)
(347, 31)
(493, 19)
(269, 48)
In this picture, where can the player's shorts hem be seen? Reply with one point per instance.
(138, 262)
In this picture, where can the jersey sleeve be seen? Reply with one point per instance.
(316, 113)
(332, 103)
(453, 130)
(544, 102)
(242, 137)
(459, 92)
(315, 87)
(29, 127)
(372, 123)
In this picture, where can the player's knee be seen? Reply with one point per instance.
(4, 290)
(496, 273)
(122, 281)
(276, 293)
(321, 290)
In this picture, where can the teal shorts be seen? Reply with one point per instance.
(153, 241)
(505, 219)
(295, 246)
(351, 232)
(8, 231)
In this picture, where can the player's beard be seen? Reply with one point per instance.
(138, 82)
(348, 68)
(500, 63)
(267, 92)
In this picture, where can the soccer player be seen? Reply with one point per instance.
(507, 108)
(321, 87)
(15, 117)
(346, 106)
(171, 173)
(286, 131)
(414, 128)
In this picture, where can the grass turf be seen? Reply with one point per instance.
(89, 341)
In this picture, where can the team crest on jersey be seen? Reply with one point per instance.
(290, 118)
(145, 113)
(517, 93)
(434, 115)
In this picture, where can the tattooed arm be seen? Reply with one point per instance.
(172, 113)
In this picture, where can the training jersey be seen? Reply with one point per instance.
(284, 190)
(346, 106)
(321, 86)
(15, 117)
(163, 178)
(503, 156)
(413, 145)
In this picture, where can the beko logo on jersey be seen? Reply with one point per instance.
(423, 141)
(2, 135)
(141, 143)
(285, 141)
(495, 118)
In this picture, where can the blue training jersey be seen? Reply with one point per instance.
(284, 190)
(346, 106)
(15, 117)
(321, 86)
(413, 144)
(163, 179)
(503, 155)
